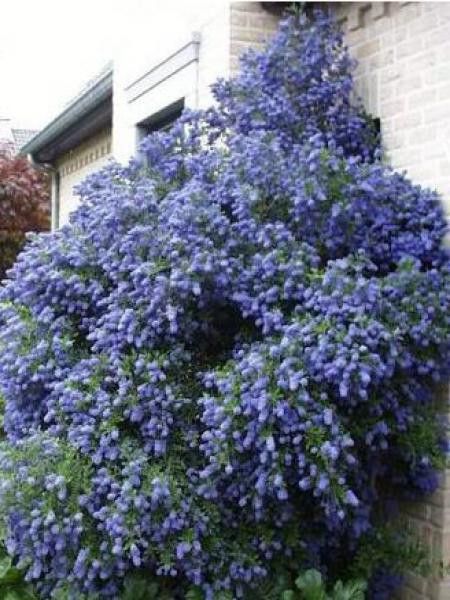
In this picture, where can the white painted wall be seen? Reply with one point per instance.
(219, 31)
(210, 29)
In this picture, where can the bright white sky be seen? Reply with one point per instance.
(50, 48)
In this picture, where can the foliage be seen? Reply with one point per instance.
(310, 586)
(12, 585)
(391, 547)
(24, 198)
(222, 369)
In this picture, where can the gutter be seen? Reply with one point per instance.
(40, 154)
(100, 91)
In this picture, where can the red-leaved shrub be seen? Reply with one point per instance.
(24, 204)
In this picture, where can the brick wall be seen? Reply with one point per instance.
(403, 76)
(251, 25)
(75, 165)
(431, 520)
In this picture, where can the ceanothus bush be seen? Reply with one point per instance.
(223, 367)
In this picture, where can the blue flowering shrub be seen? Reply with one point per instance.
(221, 371)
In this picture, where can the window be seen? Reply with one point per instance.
(162, 120)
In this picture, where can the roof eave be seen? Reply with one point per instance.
(75, 112)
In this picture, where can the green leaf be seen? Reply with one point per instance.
(12, 595)
(25, 593)
(311, 585)
(5, 565)
(224, 596)
(194, 593)
(288, 595)
(164, 595)
(12, 576)
(353, 590)
(139, 588)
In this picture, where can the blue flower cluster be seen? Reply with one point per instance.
(225, 361)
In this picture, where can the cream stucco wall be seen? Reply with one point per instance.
(75, 165)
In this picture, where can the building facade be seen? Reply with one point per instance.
(76, 164)
(403, 77)
(75, 143)
(145, 90)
